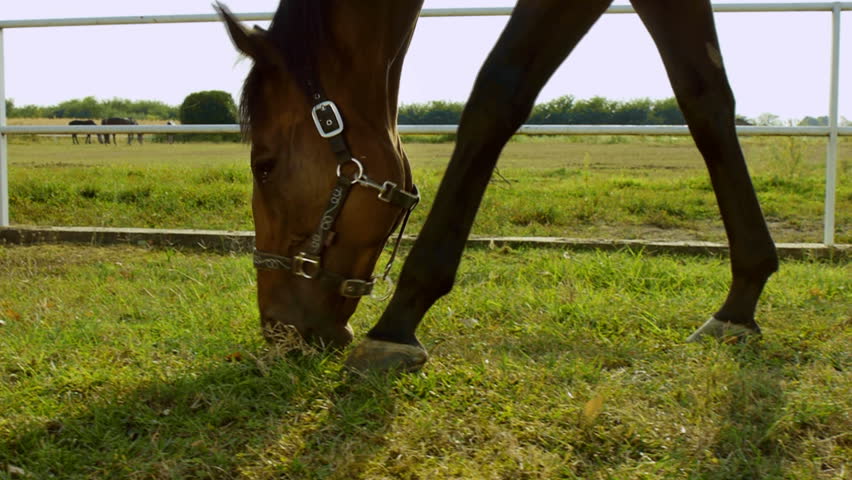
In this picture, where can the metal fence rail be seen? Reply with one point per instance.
(832, 131)
(643, 130)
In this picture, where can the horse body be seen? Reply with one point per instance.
(74, 139)
(121, 121)
(356, 54)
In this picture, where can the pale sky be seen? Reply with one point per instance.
(777, 62)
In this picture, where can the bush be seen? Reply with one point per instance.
(210, 107)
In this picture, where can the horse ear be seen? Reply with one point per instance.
(252, 43)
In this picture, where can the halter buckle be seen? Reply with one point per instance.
(303, 259)
(327, 119)
(354, 288)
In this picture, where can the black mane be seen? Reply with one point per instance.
(297, 32)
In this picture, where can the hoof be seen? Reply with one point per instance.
(723, 331)
(380, 356)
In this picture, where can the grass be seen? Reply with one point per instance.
(125, 362)
(587, 187)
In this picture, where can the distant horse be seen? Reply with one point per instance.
(326, 63)
(121, 121)
(170, 138)
(74, 139)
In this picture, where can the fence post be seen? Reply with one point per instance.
(4, 151)
(831, 155)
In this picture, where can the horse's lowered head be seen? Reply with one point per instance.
(331, 181)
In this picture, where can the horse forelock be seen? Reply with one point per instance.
(297, 32)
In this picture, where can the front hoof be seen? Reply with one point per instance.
(726, 332)
(381, 356)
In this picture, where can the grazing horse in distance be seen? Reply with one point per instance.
(324, 65)
(170, 138)
(74, 139)
(121, 121)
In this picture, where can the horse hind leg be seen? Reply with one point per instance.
(685, 35)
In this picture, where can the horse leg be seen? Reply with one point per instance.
(537, 38)
(685, 35)
(74, 140)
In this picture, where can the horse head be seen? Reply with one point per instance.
(330, 179)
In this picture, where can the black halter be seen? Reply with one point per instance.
(308, 262)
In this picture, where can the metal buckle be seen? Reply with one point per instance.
(327, 125)
(353, 288)
(387, 190)
(302, 259)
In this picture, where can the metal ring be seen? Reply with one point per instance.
(355, 178)
(384, 291)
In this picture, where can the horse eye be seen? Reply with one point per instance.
(261, 168)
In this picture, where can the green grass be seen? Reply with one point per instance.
(586, 187)
(132, 363)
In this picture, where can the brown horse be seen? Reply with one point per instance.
(120, 121)
(352, 54)
(74, 139)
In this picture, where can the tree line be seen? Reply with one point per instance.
(220, 107)
(565, 110)
(90, 107)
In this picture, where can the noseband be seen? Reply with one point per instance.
(308, 262)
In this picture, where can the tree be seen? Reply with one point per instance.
(814, 122)
(632, 112)
(768, 120)
(208, 107)
(666, 112)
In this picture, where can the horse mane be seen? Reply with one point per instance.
(297, 32)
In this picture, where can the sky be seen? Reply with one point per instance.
(777, 62)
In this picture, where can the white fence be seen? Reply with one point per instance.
(832, 131)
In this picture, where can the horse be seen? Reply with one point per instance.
(324, 65)
(74, 139)
(170, 138)
(121, 121)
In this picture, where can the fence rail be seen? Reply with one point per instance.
(832, 131)
(649, 130)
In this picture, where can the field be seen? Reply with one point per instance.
(130, 362)
(610, 187)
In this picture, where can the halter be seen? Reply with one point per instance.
(308, 262)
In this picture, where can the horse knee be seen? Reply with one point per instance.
(706, 98)
(429, 274)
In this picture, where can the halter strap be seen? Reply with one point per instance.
(308, 262)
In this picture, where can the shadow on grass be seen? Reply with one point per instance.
(748, 402)
(744, 446)
(298, 417)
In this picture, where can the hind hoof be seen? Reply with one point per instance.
(726, 332)
(381, 356)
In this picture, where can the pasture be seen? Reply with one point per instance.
(129, 362)
(124, 362)
(585, 187)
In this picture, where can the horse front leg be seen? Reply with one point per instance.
(537, 38)
(685, 35)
